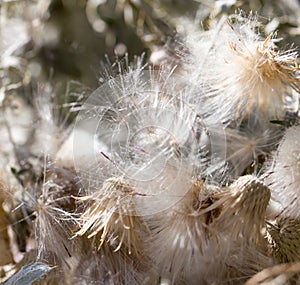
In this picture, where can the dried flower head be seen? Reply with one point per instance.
(244, 73)
(55, 222)
(268, 73)
(180, 244)
(242, 209)
(284, 239)
(142, 127)
(109, 217)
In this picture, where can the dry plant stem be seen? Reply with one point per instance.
(264, 275)
(6, 255)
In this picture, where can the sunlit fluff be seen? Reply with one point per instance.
(244, 73)
(141, 127)
(109, 217)
(283, 176)
(244, 261)
(55, 222)
(181, 245)
(108, 267)
(249, 146)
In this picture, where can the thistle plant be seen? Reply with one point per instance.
(244, 73)
(181, 167)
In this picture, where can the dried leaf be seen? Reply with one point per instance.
(28, 274)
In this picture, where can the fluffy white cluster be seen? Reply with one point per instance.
(284, 176)
(166, 175)
(242, 72)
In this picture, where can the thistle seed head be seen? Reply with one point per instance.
(284, 239)
(55, 216)
(109, 217)
(243, 72)
(180, 244)
(242, 209)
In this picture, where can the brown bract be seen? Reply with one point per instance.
(284, 239)
(109, 218)
(242, 208)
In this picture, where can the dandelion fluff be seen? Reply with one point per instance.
(246, 260)
(51, 128)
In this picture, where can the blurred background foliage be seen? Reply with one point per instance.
(62, 41)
